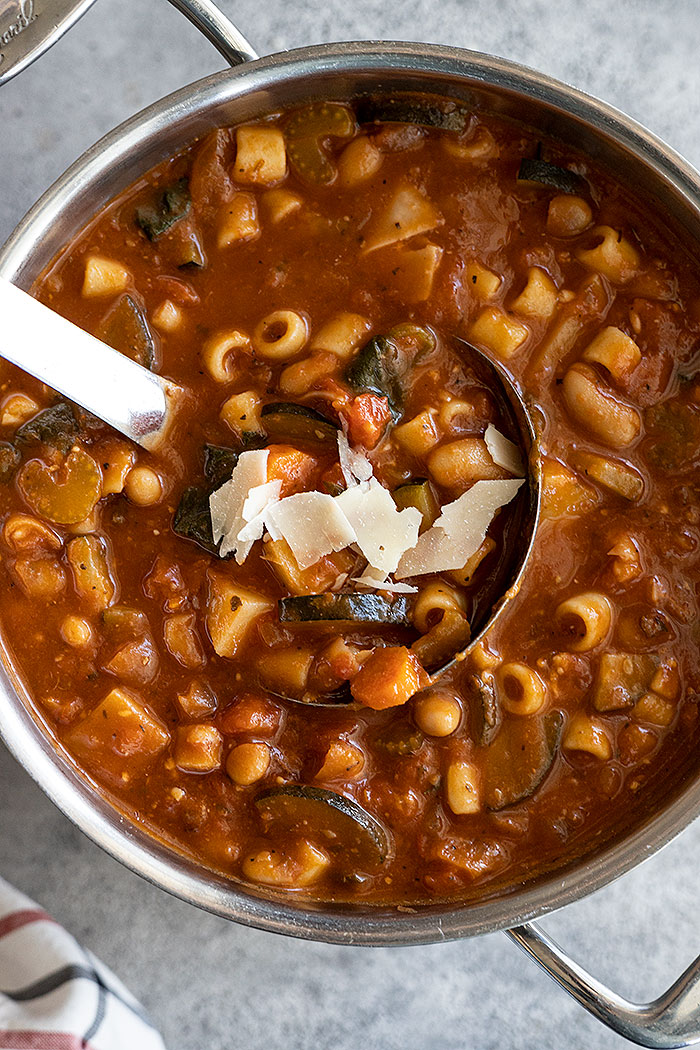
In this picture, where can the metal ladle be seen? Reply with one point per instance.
(515, 408)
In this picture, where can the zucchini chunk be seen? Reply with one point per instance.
(125, 329)
(409, 109)
(349, 606)
(380, 368)
(485, 713)
(56, 427)
(9, 460)
(285, 421)
(418, 493)
(219, 462)
(541, 173)
(400, 740)
(353, 836)
(157, 218)
(519, 758)
(193, 520)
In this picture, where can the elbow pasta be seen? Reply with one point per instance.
(496, 331)
(521, 691)
(613, 256)
(357, 735)
(613, 422)
(280, 335)
(586, 620)
(220, 353)
(615, 351)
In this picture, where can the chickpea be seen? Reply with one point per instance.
(76, 631)
(247, 763)
(568, 216)
(438, 714)
(143, 486)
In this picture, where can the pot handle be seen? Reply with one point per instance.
(672, 1020)
(218, 29)
(28, 28)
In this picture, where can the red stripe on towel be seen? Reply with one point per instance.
(16, 919)
(32, 1040)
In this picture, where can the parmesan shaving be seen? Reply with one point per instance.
(382, 532)
(459, 531)
(376, 583)
(354, 465)
(259, 499)
(312, 523)
(503, 452)
(226, 504)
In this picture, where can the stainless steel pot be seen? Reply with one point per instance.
(662, 179)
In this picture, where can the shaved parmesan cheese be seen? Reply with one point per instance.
(226, 504)
(503, 452)
(312, 523)
(459, 531)
(259, 499)
(383, 533)
(354, 465)
(378, 584)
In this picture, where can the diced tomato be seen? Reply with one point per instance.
(291, 466)
(181, 291)
(388, 678)
(367, 417)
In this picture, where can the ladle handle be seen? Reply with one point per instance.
(28, 28)
(138, 403)
(218, 29)
(672, 1020)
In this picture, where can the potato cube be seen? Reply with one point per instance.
(198, 748)
(261, 156)
(104, 277)
(121, 737)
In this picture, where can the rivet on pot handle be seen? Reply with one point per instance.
(672, 1020)
(28, 28)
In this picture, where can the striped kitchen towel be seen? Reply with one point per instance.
(54, 995)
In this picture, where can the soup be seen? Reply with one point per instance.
(240, 638)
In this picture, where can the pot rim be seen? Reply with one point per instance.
(71, 790)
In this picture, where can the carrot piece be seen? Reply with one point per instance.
(388, 678)
(291, 466)
(367, 417)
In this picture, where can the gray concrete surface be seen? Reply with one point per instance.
(211, 985)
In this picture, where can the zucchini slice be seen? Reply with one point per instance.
(540, 172)
(485, 712)
(125, 329)
(219, 462)
(349, 606)
(519, 758)
(380, 368)
(56, 427)
(157, 218)
(410, 109)
(192, 519)
(339, 823)
(285, 421)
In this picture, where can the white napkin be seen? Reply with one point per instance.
(55, 995)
